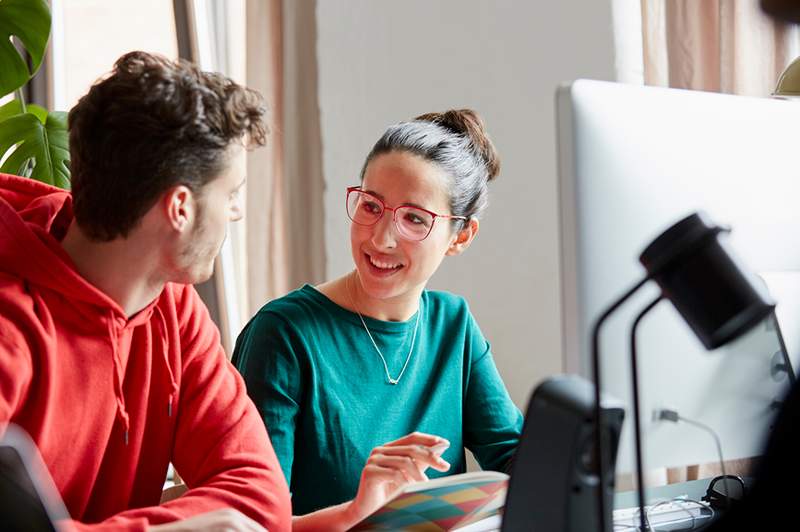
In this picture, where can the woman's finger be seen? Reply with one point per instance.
(403, 463)
(424, 457)
(378, 473)
(418, 438)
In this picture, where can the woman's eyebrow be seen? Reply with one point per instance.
(403, 204)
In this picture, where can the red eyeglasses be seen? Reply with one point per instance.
(412, 223)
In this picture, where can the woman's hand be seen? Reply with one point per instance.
(393, 465)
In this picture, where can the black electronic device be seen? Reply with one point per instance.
(28, 499)
(554, 478)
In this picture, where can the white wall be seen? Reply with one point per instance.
(381, 62)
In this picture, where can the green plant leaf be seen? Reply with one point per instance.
(38, 111)
(29, 22)
(43, 144)
(14, 108)
(10, 109)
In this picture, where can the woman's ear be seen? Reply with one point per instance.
(463, 238)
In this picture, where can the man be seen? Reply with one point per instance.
(108, 358)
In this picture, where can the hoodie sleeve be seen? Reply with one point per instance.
(16, 365)
(15, 371)
(221, 447)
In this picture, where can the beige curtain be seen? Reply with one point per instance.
(266, 254)
(303, 147)
(727, 46)
(284, 221)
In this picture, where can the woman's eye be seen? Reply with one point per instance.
(415, 219)
(371, 206)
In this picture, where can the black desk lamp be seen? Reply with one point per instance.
(713, 293)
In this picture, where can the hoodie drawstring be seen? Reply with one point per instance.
(113, 333)
(122, 413)
(165, 354)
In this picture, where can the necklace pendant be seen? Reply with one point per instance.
(393, 381)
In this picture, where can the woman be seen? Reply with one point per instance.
(372, 356)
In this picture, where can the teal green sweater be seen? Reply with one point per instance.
(321, 388)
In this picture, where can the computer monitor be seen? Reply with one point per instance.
(632, 161)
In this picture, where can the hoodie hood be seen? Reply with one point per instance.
(34, 217)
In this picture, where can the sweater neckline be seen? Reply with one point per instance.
(348, 315)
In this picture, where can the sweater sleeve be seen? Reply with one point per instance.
(266, 356)
(492, 423)
(221, 448)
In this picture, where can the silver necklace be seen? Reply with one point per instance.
(385, 366)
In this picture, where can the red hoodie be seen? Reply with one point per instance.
(110, 401)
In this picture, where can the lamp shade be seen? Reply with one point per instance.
(697, 273)
(788, 85)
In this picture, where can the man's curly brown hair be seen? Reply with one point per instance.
(150, 125)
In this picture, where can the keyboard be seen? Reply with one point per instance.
(673, 515)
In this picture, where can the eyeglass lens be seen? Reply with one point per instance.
(365, 209)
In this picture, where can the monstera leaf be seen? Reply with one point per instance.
(29, 22)
(40, 144)
(14, 107)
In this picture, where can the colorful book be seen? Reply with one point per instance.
(470, 501)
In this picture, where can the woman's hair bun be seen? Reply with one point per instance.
(468, 123)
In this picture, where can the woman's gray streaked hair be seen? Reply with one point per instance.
(451, 151)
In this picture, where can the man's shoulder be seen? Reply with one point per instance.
(11, 283)
(181, 299)
(177, 292)
(18, 310)
(15, 295)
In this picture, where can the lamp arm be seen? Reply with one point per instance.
(598, 437)
(636, 420)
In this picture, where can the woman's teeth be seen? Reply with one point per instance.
(384, 265)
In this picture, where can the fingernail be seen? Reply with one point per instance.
(439, 448)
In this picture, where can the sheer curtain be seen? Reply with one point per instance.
(206, 33)
(266, 259)
(270, 46)
(727, 46)
(285, 245)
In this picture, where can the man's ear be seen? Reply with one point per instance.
(463, 238)
(180, 207)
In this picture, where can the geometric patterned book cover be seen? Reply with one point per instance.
(446, 503)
